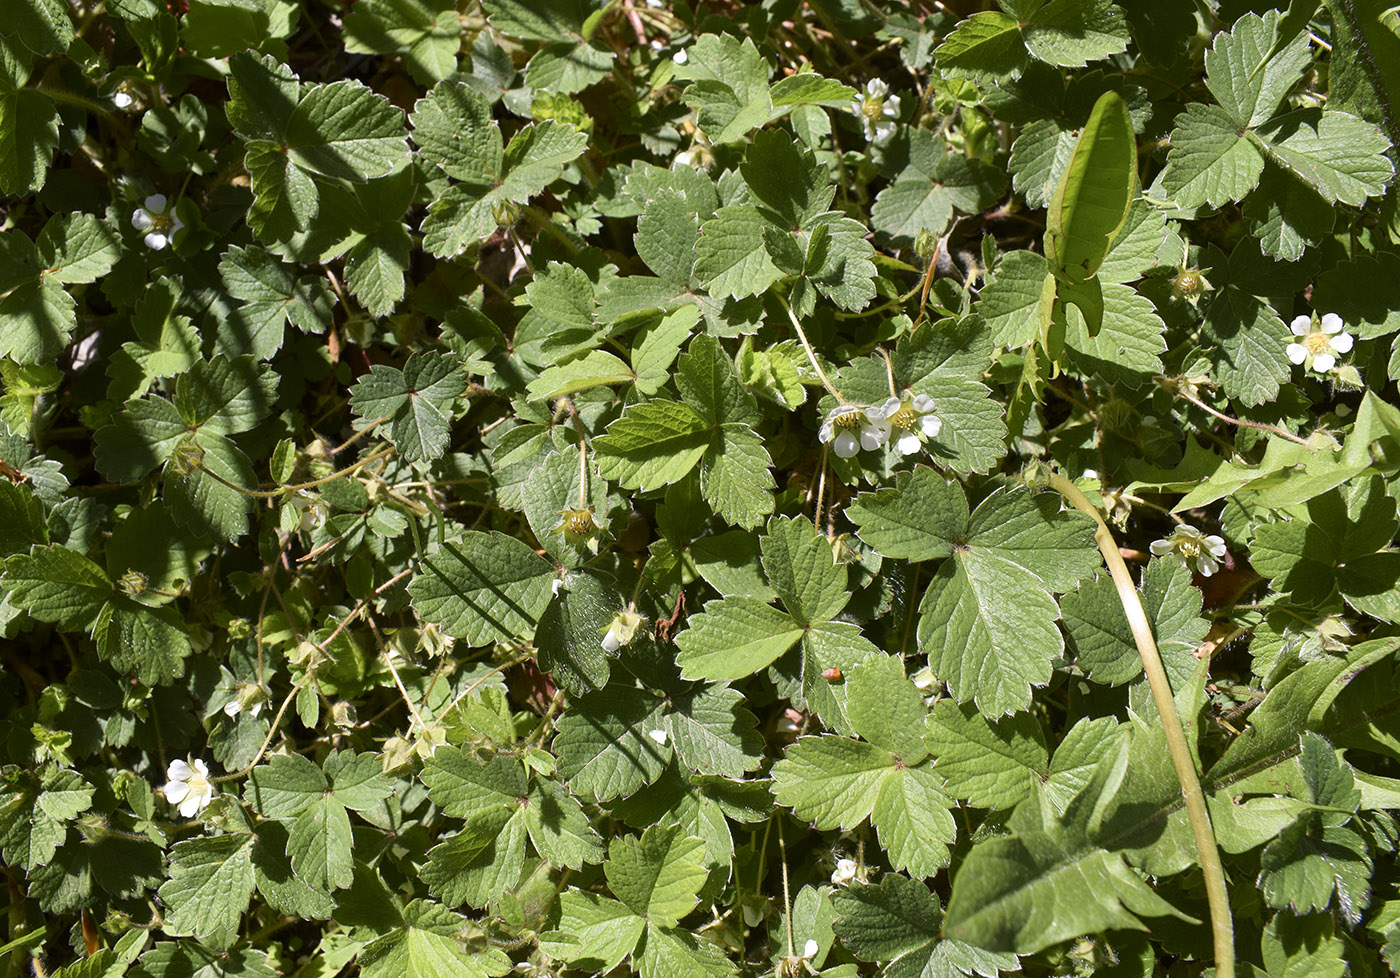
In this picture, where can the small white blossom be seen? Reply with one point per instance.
(311, 509)
(850, 428)
(845, 871)
(877, 108)
(622, 630)
(158, 221)
(249, 698)
(1193, 548)
(809, 950)
(189, 786)
(680, 57)
(913, 419)
(658, 735)
(122, 100)
(1319, 348)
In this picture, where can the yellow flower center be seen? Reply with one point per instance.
(162, 222)
(1318, 342)
(848, 421)
(580, 523)
(904, 419)
(1190, 546)
(874, 107)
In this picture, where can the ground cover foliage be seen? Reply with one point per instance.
(555, 488)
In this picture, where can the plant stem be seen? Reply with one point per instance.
(1213, 874)
(1271, 429)
(826, 381)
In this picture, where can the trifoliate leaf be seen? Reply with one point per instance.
(271, 298)
(1337, 153)
(801, 566)
(736, 478)
(36, 313)
(417, 400)
(1209, 161)
(1127, 346)
(729, 88)
(56, 584)
(1014, 302)
(1253, 341)
(490, 587)
(426, 946)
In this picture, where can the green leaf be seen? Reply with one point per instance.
(211, 881)
(559, 828)
(1252, 341)
(417, 399)
(452, 127)
(1005, 891)
(271, 297)
(1209, 162)
(1335, 152)
(426, 946)
(605, 747)
(345, 131)
(1365, 292)
(1250, 68)
(802, 568)
(900, 921)
(225, 396)
(653, 444)
(285, 786)
(28, 134)
(886, 709)
(785, 179)
(733, 638)
(21, 520)
(467, 787)
(1094, 194)
(569, 636)
(606, 931)
(917, 519)
(1128, 344)
(657, 876)
(736, 477)
(830, 781)
(595, 369)
(1014, 304)
(56, 584)
(712, 733)
(986, 45)
(488, 588)
(730, 256)
(319, 845)
(988, 763)
(729, 85)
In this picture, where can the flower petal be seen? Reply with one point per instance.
(190, 806)
(1301, 325)
(1342, 342)
(872, 437)
(1332, 323)
(1324, 362)
(178, 771)
(923, 403)
(141, 221)
(931, 425)
(1160, 548)
(845, 445)
(232, 708)
(908, 443)
(176, 791)
(1297, 352)
(156, 241)
(156, 202)
(890, 406)
(201, 767)
(610, 640)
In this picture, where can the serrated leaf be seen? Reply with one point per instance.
(425, 946)
(211, 881)
(989, 763)
(653, 444)
(1209, 161)
(56, 584)
(730, 256)
(802, 568)
(604, 745)
(1094, 194)
(712, 733)
(733, 638)
(490, 587)
(830, 781)
(1249, 69)
(886, 709)
(657, 876)
(417, 400)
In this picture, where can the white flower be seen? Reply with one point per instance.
(622, 630)
(809, 950)
(189, 786)
(680, 57)
(850, 428)
(1194, 548)
(1319, 348)
(845, 871)
(157, 220)
(876, 108)
(311, 509)
(658, 735)
(122, 100)
(913, 419)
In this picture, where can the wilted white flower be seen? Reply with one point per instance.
(1318, 348)
(1194, 548)
(845, 871)
(311, 509)
(877, 109)
(913, 419)
(248, 698)
(850, 428)
(622, 630)
(189, 786)
(122, 100)
(158, 221)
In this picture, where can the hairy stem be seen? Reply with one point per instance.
(1207, 852)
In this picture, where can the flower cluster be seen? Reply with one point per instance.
(851, 428)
